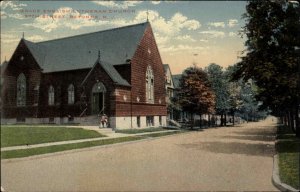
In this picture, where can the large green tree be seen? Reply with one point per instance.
(195, 94)
(220, 86)
(272, 55)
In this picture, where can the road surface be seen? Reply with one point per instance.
(216, 159)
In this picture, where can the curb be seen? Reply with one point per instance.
(276, 179)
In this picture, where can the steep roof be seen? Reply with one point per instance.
(166, 66)
(111, 71)
(78, 52)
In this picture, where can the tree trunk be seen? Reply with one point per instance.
(233, 118)
(285, 119)
(221, 120)
(225, 115)
(192, 121)
(291, 121)
(200, 122)
(297, 121)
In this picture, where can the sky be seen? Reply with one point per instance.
(186, 32)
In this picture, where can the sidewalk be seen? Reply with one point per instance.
(104, 131)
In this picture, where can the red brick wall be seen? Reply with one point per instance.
(139, 64)
(32, 72)
(61, 81)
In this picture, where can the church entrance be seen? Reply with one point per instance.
(98, 98)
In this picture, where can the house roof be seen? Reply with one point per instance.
(166, 66)
(168, 72)
(80, 52)
(176, 80)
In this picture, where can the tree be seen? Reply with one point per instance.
(272, 55)
(219, 84)
(195, 94)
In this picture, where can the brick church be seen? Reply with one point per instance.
(117, 72)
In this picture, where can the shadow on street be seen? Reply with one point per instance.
(233, 148)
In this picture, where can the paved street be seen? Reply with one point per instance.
(217, 159)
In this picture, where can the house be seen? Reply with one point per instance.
(169, 90)
(117, 72)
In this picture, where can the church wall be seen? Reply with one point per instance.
(147, 54)
(21, 62)
(128, 122)
(100, 75)
(61, 81)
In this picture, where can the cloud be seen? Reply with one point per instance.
(12, 5)
(3, 15)
(203, 40)
(213, 34)
(232, 34)
(232, 22)
(161, 39)
(16, 16)
(181, 47)
(217, 24)
(186, 38)
(120, 5)
(155, 2)
(64, 17)
(35, 38)
(170, 27)
(9, 38)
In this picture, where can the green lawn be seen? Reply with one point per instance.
(146, 130)
(288, 148)
(22, 135)
(56, 148)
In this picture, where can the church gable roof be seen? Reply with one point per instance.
(37, 51)
(79, 52)
(111, 72)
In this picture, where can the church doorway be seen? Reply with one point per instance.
(98, 98)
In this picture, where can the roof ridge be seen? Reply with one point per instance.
(106, 30)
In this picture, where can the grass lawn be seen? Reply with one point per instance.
(288, 148)
(56, 148)
(22, 135)
(146, 130)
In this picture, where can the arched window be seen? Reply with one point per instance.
(51, 95)
(149, 85)
(21, 90)
(71, 94)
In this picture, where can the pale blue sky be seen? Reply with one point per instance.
(185, 31)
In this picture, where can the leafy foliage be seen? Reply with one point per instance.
(195, 94)
(219, 85)
(272, 59)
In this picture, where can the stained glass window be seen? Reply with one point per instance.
(71, 94)
(149, 85)
(51, 95)
(21, 90)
